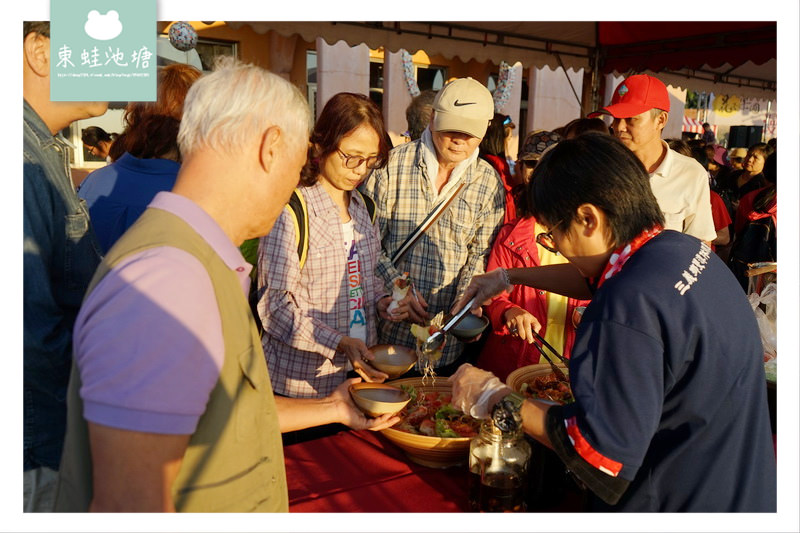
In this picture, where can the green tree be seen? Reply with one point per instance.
(692, 99)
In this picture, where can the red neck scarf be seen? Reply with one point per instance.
(621, 256)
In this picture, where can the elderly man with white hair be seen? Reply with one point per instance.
(419, 179)
(170, 404)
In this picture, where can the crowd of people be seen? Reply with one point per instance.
(164, 361)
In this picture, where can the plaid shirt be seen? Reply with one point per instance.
(454, 248)
(305, 312)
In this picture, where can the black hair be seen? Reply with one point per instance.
(766, 198)
(94, 135)
(494, 142)
(418, 113)
(699, 154)
(583, 125)
(35, 26)
(680, 146)
(597, 169)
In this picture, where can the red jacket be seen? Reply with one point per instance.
(501, 166)
(745, 212)
(515, 246)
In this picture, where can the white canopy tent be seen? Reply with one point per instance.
(720, 57)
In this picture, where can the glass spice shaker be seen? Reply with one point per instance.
(498, 463)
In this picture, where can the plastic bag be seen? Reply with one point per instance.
(765, 308)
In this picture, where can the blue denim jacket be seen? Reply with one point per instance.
(60, 257)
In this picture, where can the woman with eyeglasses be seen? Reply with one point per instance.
(319, 317)
(514, 316)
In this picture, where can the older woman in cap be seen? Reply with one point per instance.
(513, 316)
(536, 142)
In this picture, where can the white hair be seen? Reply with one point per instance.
(237, 102)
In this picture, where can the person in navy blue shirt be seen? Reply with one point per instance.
(145, 158)
(670, 410)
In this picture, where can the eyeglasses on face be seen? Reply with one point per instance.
(545, 240)
(529, 163)
(355, 161)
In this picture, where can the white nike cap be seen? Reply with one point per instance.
(463, 105)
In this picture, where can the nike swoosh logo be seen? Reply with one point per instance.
(459, 104)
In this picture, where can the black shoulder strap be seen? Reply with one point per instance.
(297, 206)
(299, 210)
(369, 203)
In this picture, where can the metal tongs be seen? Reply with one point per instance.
(557, 371)
(436, 340)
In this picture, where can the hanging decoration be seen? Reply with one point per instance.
(408, 73)
(183, 36)
(504, 83)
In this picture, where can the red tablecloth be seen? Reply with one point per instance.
(360, 471)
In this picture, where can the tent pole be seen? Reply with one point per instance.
(591, 79)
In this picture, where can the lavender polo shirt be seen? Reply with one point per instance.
(148, 339)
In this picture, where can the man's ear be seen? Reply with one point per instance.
(268, 150)
(662, 119)
(590, 218)
(36, 48)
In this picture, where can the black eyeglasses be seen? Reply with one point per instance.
(529, 163)
(355, 161)
(545, 240)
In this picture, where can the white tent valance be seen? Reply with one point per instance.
(675, 54)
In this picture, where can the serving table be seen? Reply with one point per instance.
(361, 471)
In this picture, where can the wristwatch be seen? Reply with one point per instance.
(506, 413)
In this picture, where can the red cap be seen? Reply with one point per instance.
(634, 96)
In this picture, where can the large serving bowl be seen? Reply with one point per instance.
(392, 359)
(376, 399)
(435, 452)
(526, 374)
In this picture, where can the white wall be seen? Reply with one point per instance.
(551, 102)
(677, 103)
(395, 96)
(341, 68)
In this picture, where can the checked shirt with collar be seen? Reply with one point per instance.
(454, 248)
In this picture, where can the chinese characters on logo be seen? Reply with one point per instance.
(139, 59)
(694, 269)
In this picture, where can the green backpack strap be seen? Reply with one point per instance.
(369, 203)
(299, 210)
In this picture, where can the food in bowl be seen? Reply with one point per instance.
(548, 387)
(435, 452)
(433, 415)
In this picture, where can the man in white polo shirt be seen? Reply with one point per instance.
(640, 108)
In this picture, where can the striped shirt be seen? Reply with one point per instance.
(305, 312)
(454, 248)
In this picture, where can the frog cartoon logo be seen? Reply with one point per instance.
(102, 27)
(623, 89)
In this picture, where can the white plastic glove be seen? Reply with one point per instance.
(484, 287)
(475, 391)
